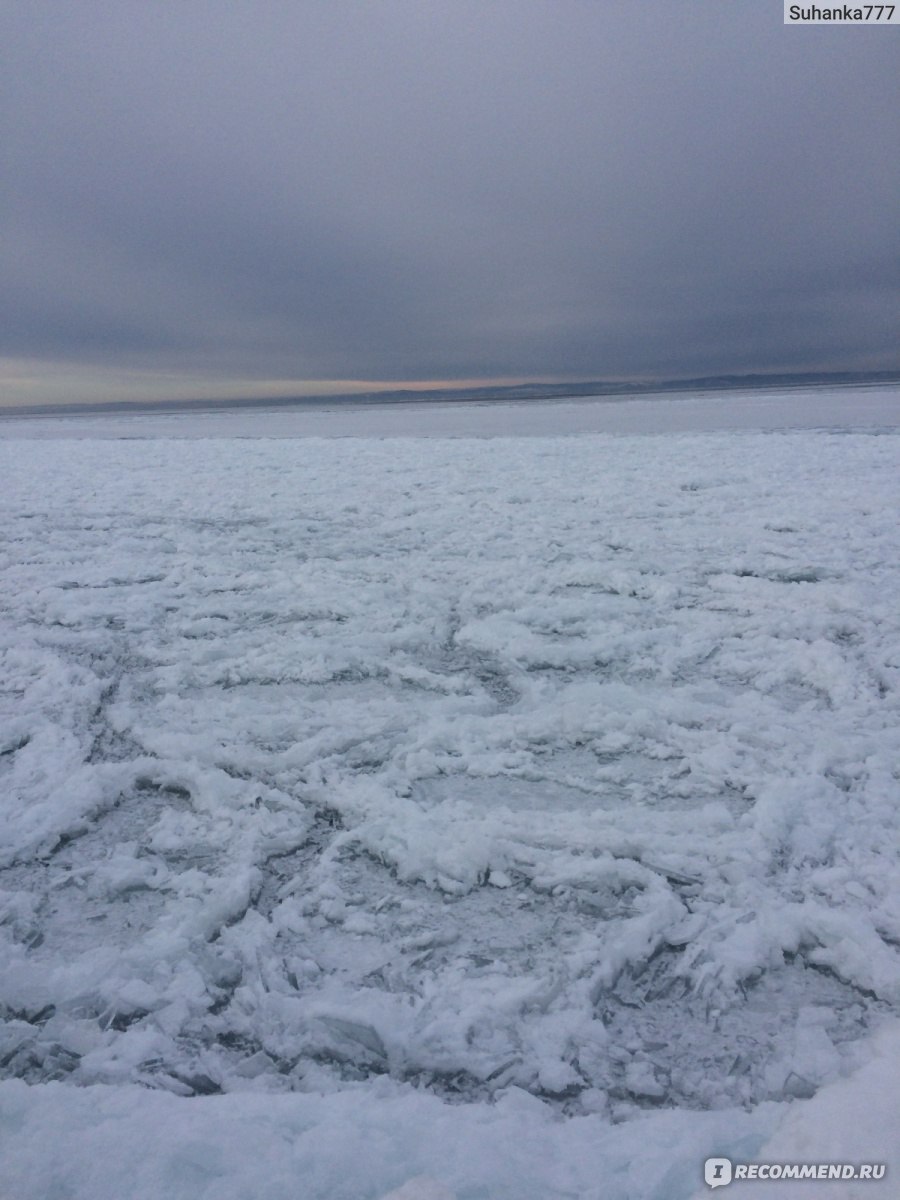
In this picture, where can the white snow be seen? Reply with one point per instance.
(795, 408)
(518, 815)
(362, 1142)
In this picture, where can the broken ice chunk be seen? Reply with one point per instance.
(355, 1031)
(641, 1080)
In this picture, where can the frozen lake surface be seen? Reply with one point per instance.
(819, 408)
(508, 804)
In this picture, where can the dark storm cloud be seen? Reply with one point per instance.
(406, 190)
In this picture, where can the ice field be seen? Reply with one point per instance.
(520, 812)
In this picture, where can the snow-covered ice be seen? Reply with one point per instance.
(509, 805)
(797, 408)
(371, 1140)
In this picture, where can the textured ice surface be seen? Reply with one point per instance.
(550, 766)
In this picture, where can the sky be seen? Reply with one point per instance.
(209, 200)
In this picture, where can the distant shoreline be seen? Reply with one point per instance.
(593, 389)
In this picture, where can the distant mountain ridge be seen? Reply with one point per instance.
(525, 391)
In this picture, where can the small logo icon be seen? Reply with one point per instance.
(717, 1171)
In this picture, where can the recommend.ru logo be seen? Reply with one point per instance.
(719, 1171)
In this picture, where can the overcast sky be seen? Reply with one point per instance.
(246, 198)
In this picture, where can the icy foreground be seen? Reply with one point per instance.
(528, 809)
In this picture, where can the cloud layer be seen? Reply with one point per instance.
(393, 191)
